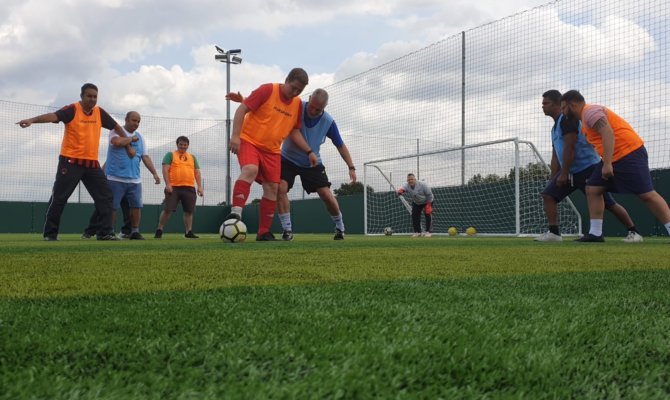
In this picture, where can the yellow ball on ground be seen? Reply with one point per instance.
(453, 231)
(471, 231)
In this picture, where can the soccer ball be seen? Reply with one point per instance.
(233, 231)
(453, 231)
(471, 231)
(388, 231)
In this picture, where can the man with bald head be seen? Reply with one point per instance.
(123, 173)
(317, 125)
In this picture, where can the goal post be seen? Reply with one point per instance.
(493, 186)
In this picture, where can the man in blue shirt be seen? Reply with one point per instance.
(572, 162)
(317, 125)
(123, 173)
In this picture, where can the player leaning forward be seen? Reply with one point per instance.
(317, 125)
(624, 167)
(270, 114)
(422, 200)
(573, 160)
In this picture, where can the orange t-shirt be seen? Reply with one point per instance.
(626, 140)
(82, 135)
(182, 169)
(268, 125)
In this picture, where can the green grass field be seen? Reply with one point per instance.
(369, 317)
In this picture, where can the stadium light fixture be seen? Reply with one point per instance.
(228, 57)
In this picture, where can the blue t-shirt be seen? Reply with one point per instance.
(315, 131)
(585, 154)
(119, 166)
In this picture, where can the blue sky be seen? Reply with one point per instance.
(158, 57)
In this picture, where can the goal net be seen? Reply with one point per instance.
(493, 186)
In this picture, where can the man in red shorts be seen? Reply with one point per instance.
(269, 115)
(624, 167)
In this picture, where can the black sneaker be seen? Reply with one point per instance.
(287, 235)
(233, 215)
(339, 235)
(127, 236)
(51, 238)
(134, 236)
(266, 237)
(591, 238)
(191, 235)
(158, 234)
(110, 236)
(86, 235)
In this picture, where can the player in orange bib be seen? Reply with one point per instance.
(268, 116)
(181, 174)
(624, 167)
(78, 160)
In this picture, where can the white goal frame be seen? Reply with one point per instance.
(567, 209)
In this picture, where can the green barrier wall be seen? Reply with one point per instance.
(29, 218)
(309, 216)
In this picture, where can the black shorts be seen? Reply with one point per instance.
(312, 179)
(184, 194)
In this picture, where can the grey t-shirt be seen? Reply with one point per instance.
(420, 193)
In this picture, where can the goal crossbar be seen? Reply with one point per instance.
(490, 200)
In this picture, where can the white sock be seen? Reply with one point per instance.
(667, 226)
(236, 210)
(285, 220)
(596, 227)
(339, 221)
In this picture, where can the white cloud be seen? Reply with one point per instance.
(362, 61)
(113, 43)
(47, 49)
(158, 58)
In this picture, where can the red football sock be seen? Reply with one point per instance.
(267, 212)
(240, 193)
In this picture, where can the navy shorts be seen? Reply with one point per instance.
(312, 178)
(631, 174)
(578, 182)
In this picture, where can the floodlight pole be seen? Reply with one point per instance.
(228, 129)
(228, 57)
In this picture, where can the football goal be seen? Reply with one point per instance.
(492, 186)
